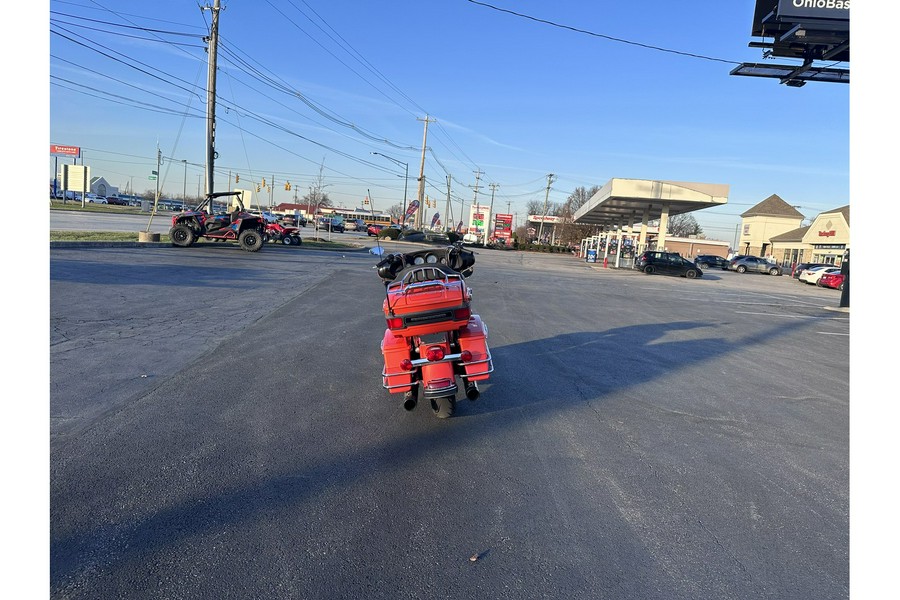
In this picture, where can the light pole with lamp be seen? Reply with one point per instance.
(405, 180)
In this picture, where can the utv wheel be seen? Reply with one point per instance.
(250, 240)
(649, 269)
(742, 269)
(298, 240)
(181, 236)
(443, 407)
(691, 274)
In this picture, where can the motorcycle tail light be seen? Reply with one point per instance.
(465, 356)
(462, 314)
(434, 353)
(395, 323)
(406, 364)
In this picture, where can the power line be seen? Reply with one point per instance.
(606, 37)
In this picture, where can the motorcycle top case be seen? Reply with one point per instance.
(430, 306)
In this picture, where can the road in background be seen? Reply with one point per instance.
(219, 430)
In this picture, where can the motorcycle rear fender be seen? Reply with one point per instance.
(438, 377)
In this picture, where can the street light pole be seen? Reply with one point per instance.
(405, 177)
(184, 191)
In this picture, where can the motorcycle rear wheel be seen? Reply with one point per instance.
(443, 407)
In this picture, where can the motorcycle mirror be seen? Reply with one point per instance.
(377, 251)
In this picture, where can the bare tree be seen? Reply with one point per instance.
(684, 225)
(317, 194)
(568, 232)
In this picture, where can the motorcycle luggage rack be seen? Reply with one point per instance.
(423, 277)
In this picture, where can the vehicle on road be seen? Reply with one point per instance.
(354, 225)
(831, 280)
(292, 221)
(239, 226)
(708, 261)
(753, 264)
(432, 336)
(374, 229)
(811, 276)
(330, 224)
(798, 269)
(94, 198)
(667, 263)
(116, 200)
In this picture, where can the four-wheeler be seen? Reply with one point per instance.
(239, 225)
(432, 336)
(276, 232)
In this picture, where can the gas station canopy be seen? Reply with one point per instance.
(630, 201)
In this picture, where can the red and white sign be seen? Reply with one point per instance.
(503, 227)
(545, 219)
(73, 151)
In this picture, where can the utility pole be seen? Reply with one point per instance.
(475, 197)
(421, 196)
(448, 209)
(213, 40)
(550, 177)
(487, 227)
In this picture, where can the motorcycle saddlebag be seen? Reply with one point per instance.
(394, 349)
(473, 337)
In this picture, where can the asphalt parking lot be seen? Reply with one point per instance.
(218, 428)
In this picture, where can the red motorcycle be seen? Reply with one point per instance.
(432, 338)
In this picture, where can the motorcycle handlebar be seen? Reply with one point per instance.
(455, 257)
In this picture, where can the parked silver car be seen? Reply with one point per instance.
(753, 264)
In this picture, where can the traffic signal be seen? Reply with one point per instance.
(264, 182)
(257, 187)
(287, 186)
(366, 201)
(237, 178)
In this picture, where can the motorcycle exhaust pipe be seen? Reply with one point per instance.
(409, 402)
(472, 392)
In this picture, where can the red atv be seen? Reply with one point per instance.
(276, 232)
(239, 225)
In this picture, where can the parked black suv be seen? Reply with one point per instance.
(705, 261)
(667, 263)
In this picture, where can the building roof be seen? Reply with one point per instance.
(844, 210)
(773, 206)
(794, 235)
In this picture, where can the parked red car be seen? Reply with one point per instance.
(831, 280)
(373, 229)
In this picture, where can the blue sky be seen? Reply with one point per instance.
(305, 84)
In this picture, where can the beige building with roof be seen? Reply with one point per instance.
(823, 241)
(774, 229)
(770, 218)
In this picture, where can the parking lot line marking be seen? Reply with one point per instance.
(741, 312)
(833, 333)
